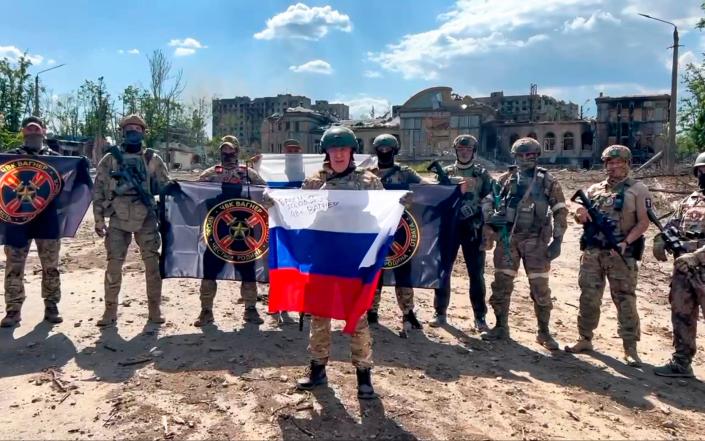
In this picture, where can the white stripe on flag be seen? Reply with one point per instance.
(282, 168)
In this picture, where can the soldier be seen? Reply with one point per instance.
(625, 201)
(687, 289)
(476, 184)
(127, 178)
(229, 170)
(339, 173)
(292, 146)
(394, 177)
(33, 133)
(530, 196)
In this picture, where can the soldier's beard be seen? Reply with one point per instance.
(385, 160)
(229, 160)
(701, 181)
(33, 142)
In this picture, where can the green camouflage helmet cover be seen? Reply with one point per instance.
(526, 145)
(386, 140)
(617, 151)
(338, 136)
(464, 141)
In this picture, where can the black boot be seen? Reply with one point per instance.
(12, 319)
(51, 312)
(372, 317)
(316, 377)
(364, 384)
(411, 321)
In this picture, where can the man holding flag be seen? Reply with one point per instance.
(33, 134)
(229, 171)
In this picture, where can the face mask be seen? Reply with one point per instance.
(526, 164)
(133, 137)
(385, 158)
(228, 158)
(33, 142)
(701, 181)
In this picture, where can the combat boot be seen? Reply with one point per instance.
(51, 312)
(109, 316)
(500, 330)
(410, 321)
(372, 317)
(155, 312)
(316, 377)
(545, 339)
(11, 319)
(481, 325)
(364, 384)
(252, 316)
(582, 345)
(439, 320)
(204, 318)
(631, 357)
(675, 367)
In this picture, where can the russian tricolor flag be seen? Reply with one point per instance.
(289, 170)
(327, 249)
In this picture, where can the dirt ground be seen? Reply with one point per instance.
(233, 381)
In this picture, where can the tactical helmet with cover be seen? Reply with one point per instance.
(386, 140)
(133, 119)
(338, 136)
(465, 141)
(526, 145)
(699, 162)
(617, 151)
(230, 139)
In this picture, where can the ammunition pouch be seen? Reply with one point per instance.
(635, 250)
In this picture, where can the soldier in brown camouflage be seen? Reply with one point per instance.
(394, 177)
(530, 197)
(624, 201)
(475, 184)
(121, 193)
(230, 171)
(33, 133)
(339, 173)
(687, 295)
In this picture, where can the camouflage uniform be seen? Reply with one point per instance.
(539, 197)
(128, 217)
(598, 262)
(16, 257)
(397, 178)
(320, 338)
(235, 175)
(469, 222)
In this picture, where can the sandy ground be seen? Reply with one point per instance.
(232, 381)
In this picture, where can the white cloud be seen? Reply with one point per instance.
(313, 66)
(372, 74)
(13, 54)
(129, 51)
(683, 61)
(361, 105)
(121, 51)
(187, 46)
(51, 61)
(301, 21)
(475, 27)
(583, 24)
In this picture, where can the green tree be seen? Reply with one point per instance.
(15, 91)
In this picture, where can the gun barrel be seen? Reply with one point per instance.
(653, 217)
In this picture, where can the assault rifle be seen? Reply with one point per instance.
(600, 223)
(500, 223)
(437, 168)
(670, 235)
(130, 177)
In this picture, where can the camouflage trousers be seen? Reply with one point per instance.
(248, 292)
(16, 257)
(116, 244)
(687, 296)
(531, 251)
(596, 265)
(405, 299)
(360, 343)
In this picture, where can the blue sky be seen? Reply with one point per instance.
(360, 52)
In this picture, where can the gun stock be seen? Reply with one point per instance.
(602, 223)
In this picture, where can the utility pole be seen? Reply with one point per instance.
(671, 149)
(36, 88)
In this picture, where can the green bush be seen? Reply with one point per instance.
(9, 140)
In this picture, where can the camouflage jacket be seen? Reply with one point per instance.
(689, 220)
(398, 177)
(44, 151)
(125, 210)
(479, 184)
(235, 175)
(358, 179)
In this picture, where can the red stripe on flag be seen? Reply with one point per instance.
(325, 296)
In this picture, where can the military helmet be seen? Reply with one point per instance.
(699, 162)
(292, 143)
(338, 136)
(617, 151)
(231, 139)
(386, 140)
(464, 141)
(526, 145)
(133, 119)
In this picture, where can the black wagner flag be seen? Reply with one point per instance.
(214, 231)
(42, 197)
(421, 254)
